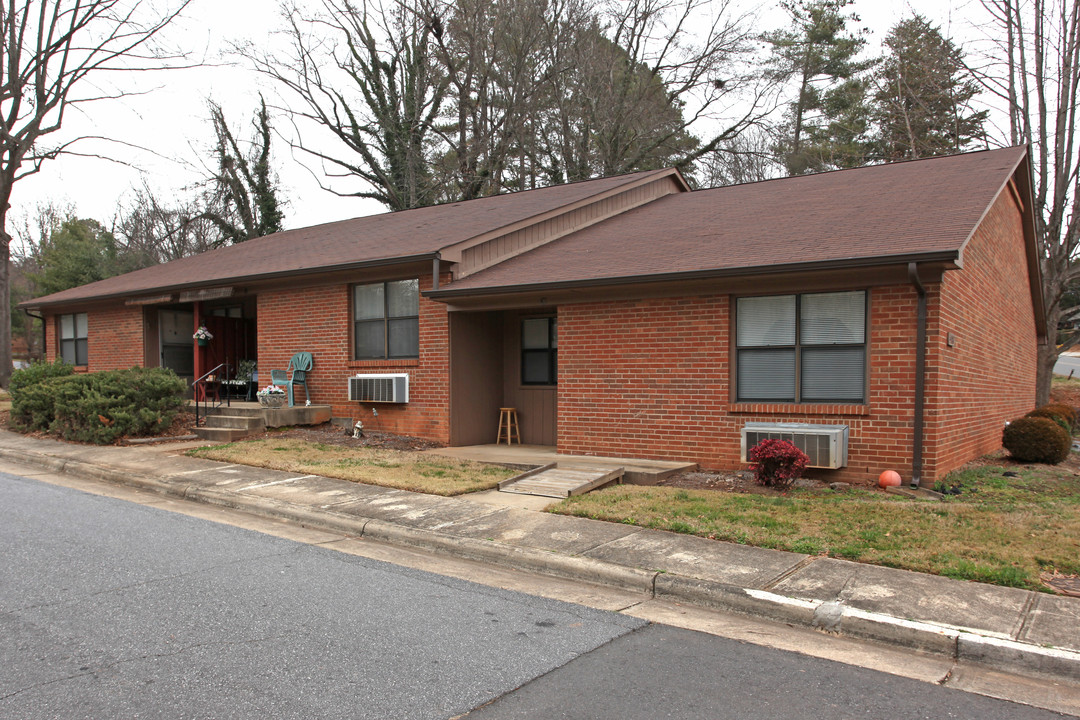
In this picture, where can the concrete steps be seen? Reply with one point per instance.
(228, 428)
(561, 479)
(239, 419)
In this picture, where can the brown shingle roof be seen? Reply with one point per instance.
(920, 207)
(372, 239)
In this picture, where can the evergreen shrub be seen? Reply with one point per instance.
(31, 409)
(101, 407)
(1060, 413)
(1037, 439)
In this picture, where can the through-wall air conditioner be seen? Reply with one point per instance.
(825, 445)
(380, 388)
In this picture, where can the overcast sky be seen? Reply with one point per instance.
(172, 121)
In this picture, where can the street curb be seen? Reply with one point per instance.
(958, 643)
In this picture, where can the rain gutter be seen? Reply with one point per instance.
(44, 350)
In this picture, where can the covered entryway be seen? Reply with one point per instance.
(503, 358)
(169, 341)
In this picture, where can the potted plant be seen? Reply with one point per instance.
(271, 396)
(245, 371)
(203, 335)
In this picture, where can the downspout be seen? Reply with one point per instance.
(44, 350)
(435, 271)
(920, 376)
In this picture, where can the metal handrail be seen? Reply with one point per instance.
(202, 379)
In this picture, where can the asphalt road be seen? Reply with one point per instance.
(110, 609)
(1066, 364)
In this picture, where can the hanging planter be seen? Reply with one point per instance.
(203, 336)
(203, 342)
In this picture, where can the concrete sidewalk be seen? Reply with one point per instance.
(1001, 627)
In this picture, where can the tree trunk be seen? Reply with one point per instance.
(1048, 355)
(5, 303)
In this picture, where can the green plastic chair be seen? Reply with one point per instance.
(295, 374)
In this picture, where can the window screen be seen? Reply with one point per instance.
(73, 339)
(801, 348)
(386, 320)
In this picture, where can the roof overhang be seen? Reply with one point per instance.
(227, 287)
(851, 272)
(1021, 184)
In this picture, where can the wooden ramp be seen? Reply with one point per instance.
(561, 480)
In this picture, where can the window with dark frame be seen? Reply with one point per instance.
(808, 348)
(539, 351)
(73, 339)
(386, 320)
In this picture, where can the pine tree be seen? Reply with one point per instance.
(827, 122)
(924, 93)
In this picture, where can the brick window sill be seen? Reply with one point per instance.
(402, 363)
(796, 409)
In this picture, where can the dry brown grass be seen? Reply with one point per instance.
(403, 470)
(998, 529)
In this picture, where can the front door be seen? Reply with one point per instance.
(175, 329)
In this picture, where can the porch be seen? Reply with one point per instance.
(238, 419)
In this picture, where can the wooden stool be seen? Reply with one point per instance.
(508, 426)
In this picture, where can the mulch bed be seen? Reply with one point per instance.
(329, 434)
(183, 426)
(731, 481)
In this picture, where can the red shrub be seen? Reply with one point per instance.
(777, 462)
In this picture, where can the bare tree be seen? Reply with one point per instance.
(577, 89)
(1035, 72)
(382, 102)
(32, 233)
(150, 231)
(699, 52)
(501, 58)
(747, 158)
(50, 53)
(443, 100)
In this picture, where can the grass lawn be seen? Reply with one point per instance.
(1002, 530)
(390, 468)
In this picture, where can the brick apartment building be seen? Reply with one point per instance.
(630, 316)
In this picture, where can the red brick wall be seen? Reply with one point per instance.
(988, 376)
(114, 338)
(317, 320)
(645, 378)
(650, 379)
(52, 332)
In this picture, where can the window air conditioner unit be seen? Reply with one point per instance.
(825, 445)
(384, 388)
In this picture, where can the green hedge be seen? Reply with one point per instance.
(95, 407)
(36, 373)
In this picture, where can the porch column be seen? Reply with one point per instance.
(198, 350)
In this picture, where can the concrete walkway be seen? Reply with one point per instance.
(638, 472)
(1006, 628)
